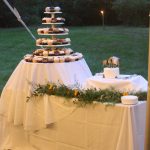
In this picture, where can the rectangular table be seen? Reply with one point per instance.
(94, 127)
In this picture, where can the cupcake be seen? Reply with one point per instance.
(51, 53)
(56, 52)
(38, 52)
(55, 42)
(61, 59)
(59, 19)
(57, 9)
(50, 30)
(56, 59)
(45, 60)
(28, 58)
(66, 30)
(61, 52)
(77, 56)
(68, 40)
(51, 59)
(39, 59)
(63, 41)
(50, 42)
(48, 20)
(44, 41)
(40, 31)
(80, 56)
(72, 58)
(46, 30)
(53, 20)
(34, 60)
(56, 30)
(47, 9)
(45, 53)
(61, 30)
(38, 41)
(67, 59)
(44, 20)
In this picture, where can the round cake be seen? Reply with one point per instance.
(111, 73)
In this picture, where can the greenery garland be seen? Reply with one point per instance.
(83, 97)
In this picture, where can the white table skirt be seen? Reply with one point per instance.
(13, 103)
(92, 128)
(100, 127)
(125, 83)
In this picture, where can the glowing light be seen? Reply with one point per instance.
(102, 12)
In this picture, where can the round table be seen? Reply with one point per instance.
(13, 103)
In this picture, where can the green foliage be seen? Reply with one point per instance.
(7, 19)
(29, 10)
(82, 97)
(87, 12)
(80, 12)
(76, 12)
(132, 12)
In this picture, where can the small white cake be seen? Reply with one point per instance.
(129, 100)
(111, 73)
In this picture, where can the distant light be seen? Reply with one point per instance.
(102, 12)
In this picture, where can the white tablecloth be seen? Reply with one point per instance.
(125, 83)
(13, 103)
(70, 128)
(98, 127)
(40, 73)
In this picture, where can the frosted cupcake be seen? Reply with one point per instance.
(47, 9)
(44, 41)
(51, 59)
(57, 9)
(39, 59)
(61, 59)
(46, 20)
(38, 41)
(68, 40)
(56, 59)
(50, 42)
(45, 53)
(40, 31)
(51, 53)
(46, 30)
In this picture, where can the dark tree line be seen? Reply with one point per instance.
(79, 12)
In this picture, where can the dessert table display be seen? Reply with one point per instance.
(51, 122)
(51, 63)
(125, 83)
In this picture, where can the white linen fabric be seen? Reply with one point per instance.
(13, 103)
(50, 124)
(125, 83)
(40, 73)
(102, 127)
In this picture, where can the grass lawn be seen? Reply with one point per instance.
(128, 43)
